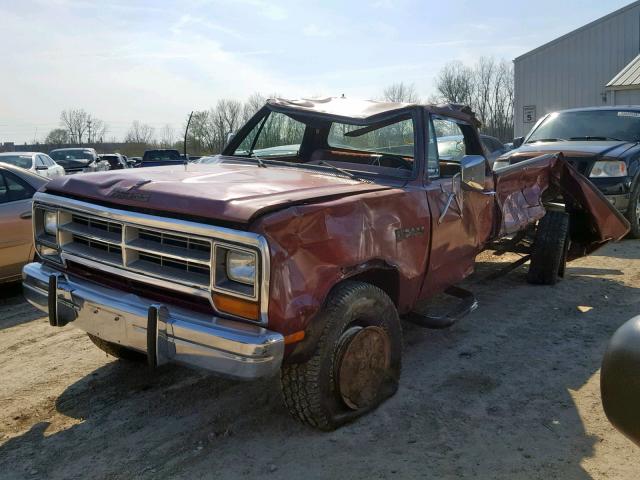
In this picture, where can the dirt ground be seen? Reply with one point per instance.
(511, 391)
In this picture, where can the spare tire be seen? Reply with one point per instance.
(549, 251)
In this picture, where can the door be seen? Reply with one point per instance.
(462, 216)
(15, 221)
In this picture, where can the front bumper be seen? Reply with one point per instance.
(616, 190)
(229, 348)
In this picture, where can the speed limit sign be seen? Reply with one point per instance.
(529, 114)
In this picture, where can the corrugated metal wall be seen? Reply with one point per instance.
(572, 71)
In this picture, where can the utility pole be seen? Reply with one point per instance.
(89, 127)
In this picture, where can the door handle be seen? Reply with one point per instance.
(26, 215)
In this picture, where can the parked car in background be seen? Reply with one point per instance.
(17, 187)
(36, 162)
(115, 160)
(161, 157)
(78, 160)
(452, 147)
(602, 143)
(134, 161)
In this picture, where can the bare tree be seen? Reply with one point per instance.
(57, 136)
(96, 129)
(254, 103)
(75, 122)
(487, 88)
(167, 136)
(455, 83)
(140, 133)
(401, 92)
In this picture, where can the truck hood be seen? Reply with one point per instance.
(580, 155)
(235, 193)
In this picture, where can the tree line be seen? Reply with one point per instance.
(486, 86)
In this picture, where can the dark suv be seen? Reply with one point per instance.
(602, 143)
(161, 157)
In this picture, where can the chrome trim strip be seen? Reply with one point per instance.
(136, 219)
(142, 278)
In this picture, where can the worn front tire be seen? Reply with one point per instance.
(633, 212)
(549, 251)
(116, 350)
(356, 364)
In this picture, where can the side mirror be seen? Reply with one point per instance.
(473, 169)
(517, 142)
(230, 136)
(41, 167)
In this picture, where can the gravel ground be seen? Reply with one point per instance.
(511, 391)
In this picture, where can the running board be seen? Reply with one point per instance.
(466, 304)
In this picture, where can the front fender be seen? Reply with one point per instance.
(316, 246)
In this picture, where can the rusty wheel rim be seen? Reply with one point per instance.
(363, 365)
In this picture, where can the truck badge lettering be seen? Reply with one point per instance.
(128, 195)
(404, 233)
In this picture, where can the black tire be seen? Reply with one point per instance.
(311, 390)
(549, 251)
(633, 212)
(117, 351)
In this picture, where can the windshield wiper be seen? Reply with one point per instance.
(589, 137)
(261, 162)
(547, 140)
(340, 170)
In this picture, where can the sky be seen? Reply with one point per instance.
(155, 61)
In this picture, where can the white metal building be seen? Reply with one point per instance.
(598, 64)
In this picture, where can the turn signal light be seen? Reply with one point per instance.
(236, 306)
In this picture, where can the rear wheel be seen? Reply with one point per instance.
(116, 350)
(356, 364)
(633, 212)
(549, 251)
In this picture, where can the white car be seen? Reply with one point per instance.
(35, 162)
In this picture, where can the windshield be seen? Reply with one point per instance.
(384, 148)
(65, 156)
(22, 161)
(589, 125)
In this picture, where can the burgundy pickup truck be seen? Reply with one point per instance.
(299, 250)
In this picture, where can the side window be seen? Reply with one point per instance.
(4, 193)
(40, 162)
(47, 160)
(277, 136)
(17, 189)
(433, 164)
(450, 138)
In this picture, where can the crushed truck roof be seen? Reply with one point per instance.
(362, 111)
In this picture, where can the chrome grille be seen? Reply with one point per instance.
(183, 258)
(173, 254)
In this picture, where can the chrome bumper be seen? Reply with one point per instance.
(226, 347)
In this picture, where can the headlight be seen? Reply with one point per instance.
(241, 266)
(50, 222)
(235, 285)
(501, 164)
(609, 168)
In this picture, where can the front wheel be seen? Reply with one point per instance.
(356, 364)
(549, 250)
(633, 212)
